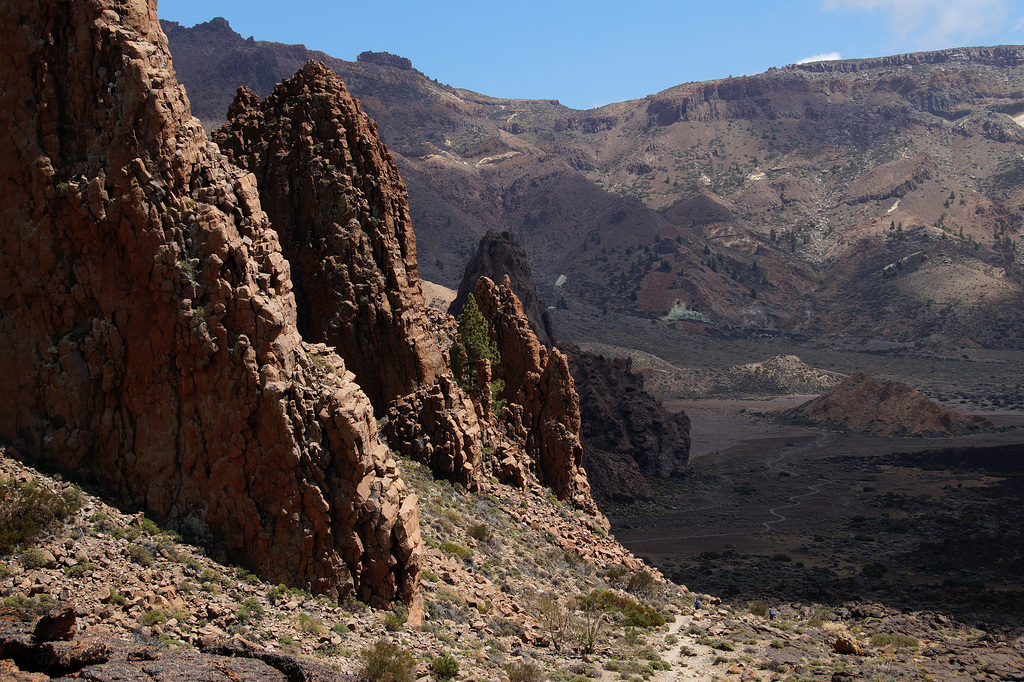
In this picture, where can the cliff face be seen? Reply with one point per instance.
(544, 408)
(335, 197)
(627, 435)
(498, 256)
(151, 313)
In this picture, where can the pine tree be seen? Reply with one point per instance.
(473, 343)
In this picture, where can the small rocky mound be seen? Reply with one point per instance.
(781, 375)
(498, 256)
(627, 434)
(893, 179)
(864, 405)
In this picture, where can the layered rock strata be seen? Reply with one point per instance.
(150, 323)
(334, 195)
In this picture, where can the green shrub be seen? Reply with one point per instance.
(445, 667)
(479, 531)
(250, 611)
(340, 629)
(40, 605)
(310, 624)
(141, 555)
(635, 613)
(387, 662)
(30, 510)
(33, 558)
(758, 608)
(819, 616)
(523, 671)
(900, 641)
(393, 622)
(453, 549)
(153, 617)
(78, 570)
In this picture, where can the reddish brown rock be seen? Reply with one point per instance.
(146, 299)
(543, 407)
(334, 195)
(846, 643)
(438, 426)
(58, 624)
(862, 404)
(497, 256)
(627, 435)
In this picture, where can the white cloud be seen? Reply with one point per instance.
(931, 23)
(823, 57)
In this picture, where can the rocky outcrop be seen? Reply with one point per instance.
(438, 426)
(779, 375)
(893, 179)
(543, 406)
(497, 257)
(146, 298)
(385, 59)
(863, 404)
(626, 433)
(102, 657)
(334, 195)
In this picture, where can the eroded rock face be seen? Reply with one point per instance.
(438, 426)
(544, 409)
(150, 310)
(627, 434)
(499, 256)
(334, 195)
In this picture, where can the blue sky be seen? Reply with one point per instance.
(586, 54)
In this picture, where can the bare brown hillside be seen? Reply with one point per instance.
(794, 198)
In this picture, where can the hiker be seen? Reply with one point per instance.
(696, 604)
(771, 614)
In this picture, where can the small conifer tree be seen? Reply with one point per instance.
(473, 343)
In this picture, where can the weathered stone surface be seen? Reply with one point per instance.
(846, 643)
(498, 256)
(543, 409)
(438, 426)
(334, 195)
(145, 296)
(627, 434)
(58, 624)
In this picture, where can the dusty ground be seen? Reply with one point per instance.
(788, 513)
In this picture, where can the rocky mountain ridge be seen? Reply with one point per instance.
(828, 180)
(173, 310)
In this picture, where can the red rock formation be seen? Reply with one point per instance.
(544, 409)
(334, 195)
(862, 404)
(148, 319)
(627, 435)
(498, 256)
(438, 426)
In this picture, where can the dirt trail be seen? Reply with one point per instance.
(794, 500)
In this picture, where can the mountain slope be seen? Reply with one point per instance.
(799, 199)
